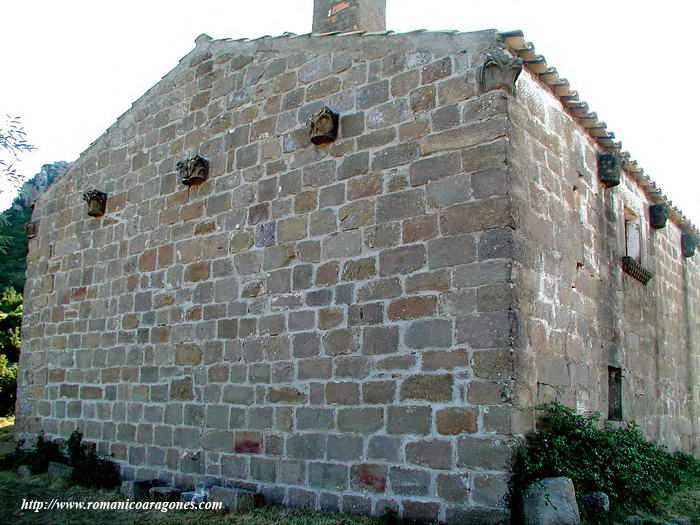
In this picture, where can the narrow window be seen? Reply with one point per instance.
(614, 393)
(633, 237)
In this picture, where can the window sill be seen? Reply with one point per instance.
(615, 424)
(635, 269)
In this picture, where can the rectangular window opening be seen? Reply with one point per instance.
(633, 236)
(614, 393)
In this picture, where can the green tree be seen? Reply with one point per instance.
(10, 324)
(13, 142)
(13, 220)
(14, 248)
(8, 387)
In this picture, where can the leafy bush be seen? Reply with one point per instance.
(10, 324)
(634, 472)
(8, 387)
(88, 468)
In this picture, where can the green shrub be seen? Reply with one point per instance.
(634, 472)
(89, 469)
(8, 387)
(10, 324)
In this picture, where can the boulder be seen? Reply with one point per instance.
(59, 470)
(551, 501)
(597, 504)
(235, 499)
(137, 490)
(164, 494)
(193, 497)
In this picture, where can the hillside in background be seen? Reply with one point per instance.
(13, 261)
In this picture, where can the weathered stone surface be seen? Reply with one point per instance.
(164, 494)
(409, 482)
(464, 137)
(597, 504)
(456, 420)
(400, 205)
(412, 308)
(451, 251)
(427, 387)
(453, 488)
(402, 260)
(435, 454)
(476, 216)
(550, 501)
(136, 490)
(485, 453)
(235, 500)
(59, 470)
(429, 333)
(409, 419)
(435, 168)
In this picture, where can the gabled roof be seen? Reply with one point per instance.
(597, 129)
(559, 86)
(537, 65)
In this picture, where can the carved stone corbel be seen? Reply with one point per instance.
(194, 170)
(689, 242)
(658, 215)
(499, 70)
(323, 126)
(610, 168)
(32, 229)
(96, 202)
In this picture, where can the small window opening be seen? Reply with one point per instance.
(633, 236)
(614, 393)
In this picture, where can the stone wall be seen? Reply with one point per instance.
(331, 325)
(581, 313)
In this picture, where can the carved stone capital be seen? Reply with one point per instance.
(194, 170)
(323, 126)
(499, 70)
(96, 202)
(32, 229)
(610, 168)
(689, 242)
(658, 215)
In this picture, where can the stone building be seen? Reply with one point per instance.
(334, 267)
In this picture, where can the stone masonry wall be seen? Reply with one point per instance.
(331, 325)
(581, 312)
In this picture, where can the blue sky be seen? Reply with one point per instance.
(77, 65)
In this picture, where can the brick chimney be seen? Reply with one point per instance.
(349, 15)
